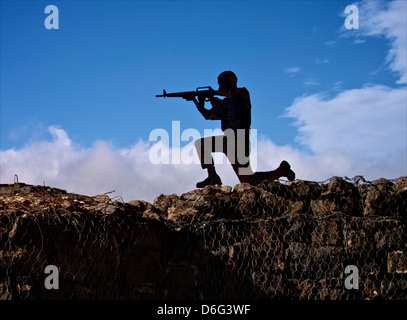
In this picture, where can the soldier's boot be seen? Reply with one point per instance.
(210, 181)
(284, 170)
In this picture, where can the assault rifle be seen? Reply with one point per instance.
(202, 93)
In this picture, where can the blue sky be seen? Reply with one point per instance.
(94, 80)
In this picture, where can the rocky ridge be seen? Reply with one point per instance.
(270, 241)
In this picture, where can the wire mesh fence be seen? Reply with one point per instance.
(341, 239)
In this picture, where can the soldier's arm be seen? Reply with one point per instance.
(211, 114)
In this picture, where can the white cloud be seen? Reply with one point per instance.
(324, 165)
(292, 71)
(321, 61)
(360, 131)
(337, 86)
(331, 43)
(102, 168)
(130, 173)
(370, 121)
(387, 19)
(311, 82)
(363, 130)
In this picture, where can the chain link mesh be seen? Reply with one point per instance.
(277, 240)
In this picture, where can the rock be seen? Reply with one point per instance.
(147, 209)
(327, 232)
(306, 261)
(400, 186)
(268, 241)
(242, 187)
(226, 189)
(103, 198)
(366, 237)
(397, 262)
(384, 198)
(307, 189)
(323, 207)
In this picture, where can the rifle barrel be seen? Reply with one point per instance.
(201, 91)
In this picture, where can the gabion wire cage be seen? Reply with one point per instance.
(296, 240)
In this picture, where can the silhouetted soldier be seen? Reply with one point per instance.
(234, 111)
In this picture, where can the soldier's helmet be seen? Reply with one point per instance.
(227, 79)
